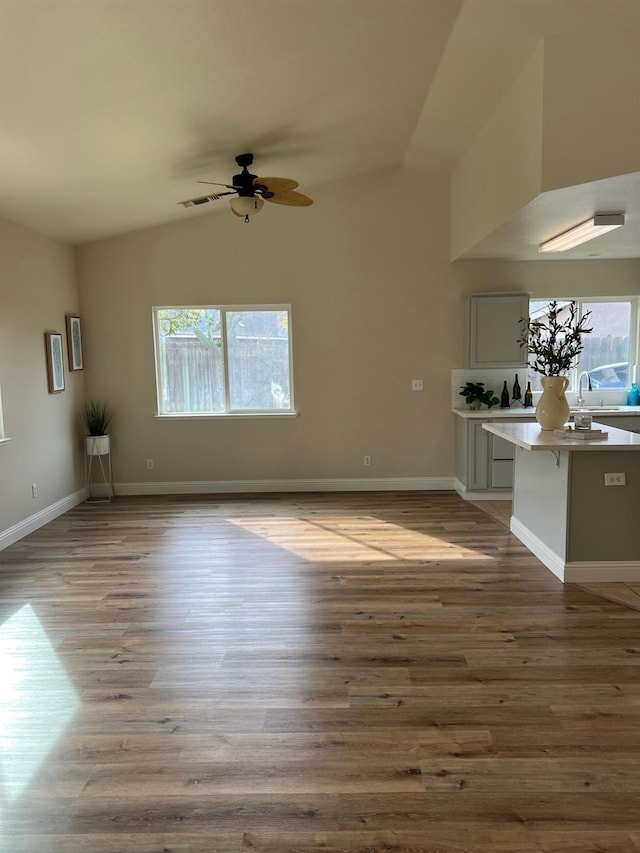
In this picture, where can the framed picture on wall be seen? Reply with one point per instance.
(55, 364)
(74, 342)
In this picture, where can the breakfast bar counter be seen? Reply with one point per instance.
(580, 528)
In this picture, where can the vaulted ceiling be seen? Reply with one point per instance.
(111, 111)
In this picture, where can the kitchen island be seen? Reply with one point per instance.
(484, 463)
(580, 528)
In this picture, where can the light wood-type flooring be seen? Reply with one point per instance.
(346, 673)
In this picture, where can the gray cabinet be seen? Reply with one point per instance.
(628, 422)
(501, 467)
(493, 329)
(484, 462)
(478, 450)
(472, 454)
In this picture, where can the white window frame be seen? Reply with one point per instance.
(634, 336)
(229, 412)
(3, 439)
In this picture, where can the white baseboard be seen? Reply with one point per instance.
(356, 484)
(551, 560)
(39, 519)
(481, 494)
(605, 572)
(577, 572)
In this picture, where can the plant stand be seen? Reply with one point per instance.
(98, 449)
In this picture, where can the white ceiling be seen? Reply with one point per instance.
(110, 110)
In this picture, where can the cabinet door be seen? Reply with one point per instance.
(478, 455)
(493, 329)
(502, 456)
(501, 448)
(626, 422)
(502, 473)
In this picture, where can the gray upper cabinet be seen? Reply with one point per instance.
(493, 329)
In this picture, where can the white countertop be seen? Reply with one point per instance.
(495, 413)
(519, 412)
(531, 437)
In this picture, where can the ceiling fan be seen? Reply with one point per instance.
(249, 192)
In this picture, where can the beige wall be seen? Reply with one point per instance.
(501, 171)
(375, 303)
(592, 103)
(38, 287)
(571, 117)
(367, 274)
(551, 278)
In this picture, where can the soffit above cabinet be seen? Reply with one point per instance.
(554, 212)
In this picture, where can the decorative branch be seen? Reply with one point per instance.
(554, 344)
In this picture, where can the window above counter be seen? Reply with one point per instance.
(610, 351)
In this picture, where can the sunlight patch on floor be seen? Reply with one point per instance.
(351, 539)
(37, 700)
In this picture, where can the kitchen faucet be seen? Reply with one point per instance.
(580, 401)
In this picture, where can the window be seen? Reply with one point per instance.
(608, 350)
(223, 360)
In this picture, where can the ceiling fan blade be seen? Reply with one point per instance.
(203, 199)
(216, 184)
(277, 185)
(276, 190)
(291, 198)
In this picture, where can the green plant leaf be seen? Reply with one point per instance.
(96, 416)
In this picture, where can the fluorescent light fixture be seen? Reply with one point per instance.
(594, 227)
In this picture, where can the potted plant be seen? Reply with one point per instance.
(475, 395)
(96, 417)
(553, 344)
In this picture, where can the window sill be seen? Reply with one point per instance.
(217, 415)
(4, 440)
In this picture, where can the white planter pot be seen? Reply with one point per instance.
(97, 445)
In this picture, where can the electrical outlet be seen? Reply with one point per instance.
(367, 460)
(615, 480)
(150, 464)
(34, 490)
(417, 385)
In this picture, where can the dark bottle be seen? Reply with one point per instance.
(504, 397)
(528, 397)
(517, 393)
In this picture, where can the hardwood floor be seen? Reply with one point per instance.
(627, 594)
(310, 674)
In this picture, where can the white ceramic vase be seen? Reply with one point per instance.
(552, 411)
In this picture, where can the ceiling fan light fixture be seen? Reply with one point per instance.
(246, 206)
(582, 233)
